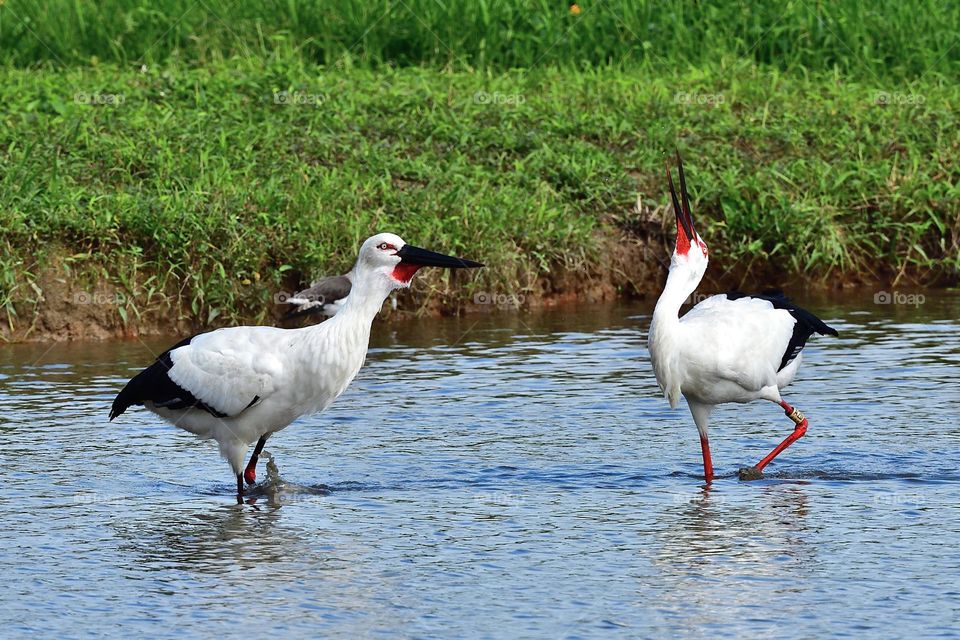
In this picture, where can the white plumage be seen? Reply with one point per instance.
(260, 379)
(728, 348)
(239, 385)
(730, 351)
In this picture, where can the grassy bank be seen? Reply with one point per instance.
(890, 39)
(208, 184)
(208, 157)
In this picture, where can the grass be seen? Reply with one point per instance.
(896, 39)
(209, 184)
(216, 153)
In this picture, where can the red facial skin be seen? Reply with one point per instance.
(404, 272)
(683, 242)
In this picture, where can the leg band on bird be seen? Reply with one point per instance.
(794, 414)
(798, 432)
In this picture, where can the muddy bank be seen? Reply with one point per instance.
(631, 263)
(62, 302)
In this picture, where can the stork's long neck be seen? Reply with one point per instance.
(663, 342)
(328, 355)
(336, 348)
(682, 281)
(350, 327)
(367, 292)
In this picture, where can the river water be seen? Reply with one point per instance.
(499, 476)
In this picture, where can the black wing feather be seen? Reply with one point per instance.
(805, 326)
(154, 385)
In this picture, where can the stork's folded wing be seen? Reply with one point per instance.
(225, 371)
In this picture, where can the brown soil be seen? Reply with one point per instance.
(633, 263)
(67, 309)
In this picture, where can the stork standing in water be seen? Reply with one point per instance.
(728, 348)
(239, 385)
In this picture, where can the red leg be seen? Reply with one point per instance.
(250, 473)
(707, 460)
(801, 428)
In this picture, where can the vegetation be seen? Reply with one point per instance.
(886, 38)
(197, 150)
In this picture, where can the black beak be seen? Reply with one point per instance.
(412, 255)
(684, 219)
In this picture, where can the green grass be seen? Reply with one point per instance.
(217, 152)
(207, 184)
(897, 39)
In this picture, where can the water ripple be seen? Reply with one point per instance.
(499, 476)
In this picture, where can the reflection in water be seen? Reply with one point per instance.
(256, 551)
(717, 550)
(722, 539)
(208, 540)
(498, 476)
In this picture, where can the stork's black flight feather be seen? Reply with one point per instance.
(154, 385)
(806, 323)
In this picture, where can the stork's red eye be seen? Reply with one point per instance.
(384, 246)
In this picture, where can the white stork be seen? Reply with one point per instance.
(239, 385)
(731, 347)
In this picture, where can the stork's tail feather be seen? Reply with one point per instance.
(132, 393)
(155, 385)
(119, 406)
(824, 329)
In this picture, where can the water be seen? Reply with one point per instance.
(499, 476)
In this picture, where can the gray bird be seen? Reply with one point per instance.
(324, 297)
